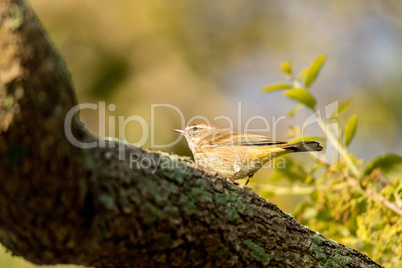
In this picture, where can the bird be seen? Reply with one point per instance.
(236, 155)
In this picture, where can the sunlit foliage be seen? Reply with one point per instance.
(351, 201)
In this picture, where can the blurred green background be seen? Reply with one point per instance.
(204, 57)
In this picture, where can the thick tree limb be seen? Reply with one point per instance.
(63, 204)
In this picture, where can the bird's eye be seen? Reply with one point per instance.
(195, 128)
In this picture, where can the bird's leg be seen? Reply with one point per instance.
(233, 176)
(249, 177)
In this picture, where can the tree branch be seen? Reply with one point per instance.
(63, 204)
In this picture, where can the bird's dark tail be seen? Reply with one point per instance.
(307, 146)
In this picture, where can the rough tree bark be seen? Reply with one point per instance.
(63, 204)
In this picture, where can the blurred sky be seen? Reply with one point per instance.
(204, 57)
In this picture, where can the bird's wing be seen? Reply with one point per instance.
(256, 140)
(239, 139)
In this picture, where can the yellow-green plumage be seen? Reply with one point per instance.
(236, 155)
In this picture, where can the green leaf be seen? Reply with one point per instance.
(294, 110)
(387, 163)
(350, 129)
(341, 108)
(303, 73)
(302, 96)
(275, 87)
(314, 69)
(286, 67)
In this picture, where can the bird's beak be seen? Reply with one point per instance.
(178, 130)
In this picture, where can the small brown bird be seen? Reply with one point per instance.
(236, 155)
